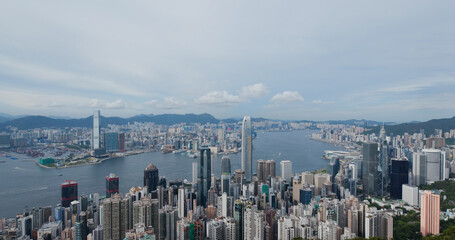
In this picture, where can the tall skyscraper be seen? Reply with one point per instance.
(370, 168)
(261, 170)
(69, 192)
(194, 165)
(115, 216)
(225, 174)
(247, 147)
(111, 141)
(226, 165)
(334, 168)
(151, 177)
(265, 169)
(270, 166)
(419, 168)
(181, 202)
(383, 165)
(96, 131)
(112, 184)
(429, 213)
(121, 142)
(436, 165)
(398, 177)
(204, 175)
(286, 170)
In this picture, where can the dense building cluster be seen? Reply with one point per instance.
(356, 196)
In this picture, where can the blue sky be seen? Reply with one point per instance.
(315, 60)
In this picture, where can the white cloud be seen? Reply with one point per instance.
(254, 91)
(37, 73)
(319, 101)
(287, 96)
(167, 103)
(97, 103)
(56, 105)
(219, 98)
(223, 98)
(117, 104)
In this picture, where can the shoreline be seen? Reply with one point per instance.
(97, 161)
(346, 146)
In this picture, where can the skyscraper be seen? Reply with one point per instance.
(398, 177)
(121, 142)
(370, 168)
(151, 177)
(204, 175)
(112, 184)
(429, 213)
(270, 167)
(111, 141)
(116, 215)
(265, 169)
(334, 168)
(419, 168)
(383, 166)
(286, 170)
(247, 147)
(225, 174)
(69, 192)
(226, 165)
(261, 171)
(181, 202)
(194, 165)
(436, 165)
(96, 131)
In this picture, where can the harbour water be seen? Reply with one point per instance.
(23, 184)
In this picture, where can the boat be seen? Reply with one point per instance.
(178, 151)
(14, 158)
(60, 175)
(2, 161)
(192, 155)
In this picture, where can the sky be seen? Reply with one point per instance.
(289, 60)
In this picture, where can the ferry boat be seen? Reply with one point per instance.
(178, 151)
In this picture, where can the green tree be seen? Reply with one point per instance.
(407, 226)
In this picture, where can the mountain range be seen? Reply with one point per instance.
(445, 124)
(30, 122)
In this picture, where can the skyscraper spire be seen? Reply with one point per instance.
(382, 133)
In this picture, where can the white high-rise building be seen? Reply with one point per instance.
(253, 225)
(96, 131)
(223, 229)
(247, 147)
(328, 230)
(224, 207)
(436, 165)
(181, 202)
(194, 173)
(354, 169)
(215, 230)
(286, 170)
(419, 168)
(411, 195)
(285, 229)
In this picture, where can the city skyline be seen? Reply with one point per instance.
(385, 61)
